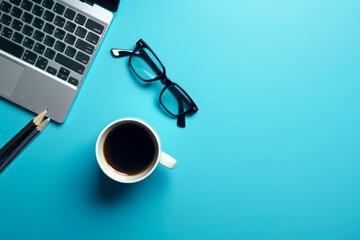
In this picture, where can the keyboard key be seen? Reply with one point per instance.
(27, 5)
(16, 2)
(0, 27)
(29, 57)
(80, 32)
(73, 81)
(70, 39)
(49, 53)
(69, 26)
(49, 41)
(37, 1)
(86, 47)
(38, 23)
(62, 76)
(70, 51)
(11, 48)
(59, 21)
(80, 19)
(5, 7)
(29, 43)
(48, 4)
(64, 71)
(69, 63)
(93, 38)
(69, 14)
(59, 8)
(82, 57)
(6, 19)
(28, 30)
(17, 37)
(17, 25)
(37, 10)
(51, 70)
(39, 35)
(60, 34)
(49, 28)
(16, 12)
(94, 26)
(60, 46)
(41, 63)
(39, 48)
(27, 17)
(6, 32)
(49, 16)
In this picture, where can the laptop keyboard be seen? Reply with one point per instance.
(50, 36)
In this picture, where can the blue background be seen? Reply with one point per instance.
(273, 152)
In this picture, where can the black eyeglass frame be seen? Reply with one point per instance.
(141, 44)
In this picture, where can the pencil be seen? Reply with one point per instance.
(7, 160)
(7, 149)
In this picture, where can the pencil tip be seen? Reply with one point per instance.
(37, 120)
(43, 125)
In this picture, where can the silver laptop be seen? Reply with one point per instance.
(46, 48)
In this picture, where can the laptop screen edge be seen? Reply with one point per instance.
(112, 5)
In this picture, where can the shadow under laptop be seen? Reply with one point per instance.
(20, 107)
(28, 111)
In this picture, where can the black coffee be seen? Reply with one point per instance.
(130, 148)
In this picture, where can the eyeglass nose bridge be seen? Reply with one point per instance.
(165, 80)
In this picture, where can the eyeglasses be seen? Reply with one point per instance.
(147, 66)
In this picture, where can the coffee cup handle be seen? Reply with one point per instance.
(167, 161)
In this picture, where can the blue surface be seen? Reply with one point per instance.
(273, 152)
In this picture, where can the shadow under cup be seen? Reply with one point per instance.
(128, 150)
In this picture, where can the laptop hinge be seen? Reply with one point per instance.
(90, 2)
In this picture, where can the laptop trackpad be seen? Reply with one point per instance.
(10, 76)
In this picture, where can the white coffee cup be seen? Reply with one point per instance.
(161, 157)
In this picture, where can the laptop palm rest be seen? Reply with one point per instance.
(10, 75)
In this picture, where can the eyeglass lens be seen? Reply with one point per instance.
(146, 65)
(175, 100)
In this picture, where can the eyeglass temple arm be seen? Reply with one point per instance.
(120, 53)
(179, 97)
(181, 118)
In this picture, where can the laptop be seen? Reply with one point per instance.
(46, 49)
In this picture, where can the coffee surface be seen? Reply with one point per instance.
(129, 149)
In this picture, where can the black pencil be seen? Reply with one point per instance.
(20, 136)
(7, 149)
(11, 155)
